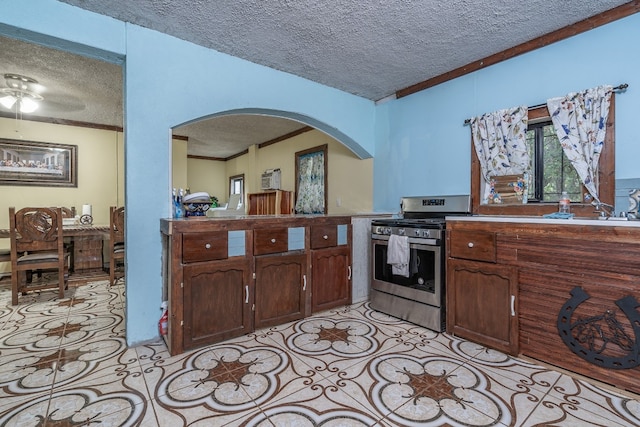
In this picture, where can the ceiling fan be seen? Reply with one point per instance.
(22, 92)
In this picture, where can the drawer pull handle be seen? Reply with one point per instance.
(304, 282)
(246, 293)
(325, 237)
(207, 246)
(513, 305)
(470, 244)
(273, 240)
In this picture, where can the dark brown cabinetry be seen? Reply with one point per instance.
(216, 301)
(481, 295)
(481, 301)
(330, 268)
(281, 287)
(214, 293)
(227, 277)
(567, 283)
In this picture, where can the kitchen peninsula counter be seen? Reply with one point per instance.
(562, 291)
(225, 277)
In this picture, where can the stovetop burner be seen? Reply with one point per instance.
(423, 217)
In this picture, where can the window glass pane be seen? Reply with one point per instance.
(236, 186)
(559, 175)
(551, 171)
(531, 147)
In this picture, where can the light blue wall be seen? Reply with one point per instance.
(169, 82)
(423, 146)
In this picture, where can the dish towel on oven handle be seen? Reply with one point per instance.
(398, 255)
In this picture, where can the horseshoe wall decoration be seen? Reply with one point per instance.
(588, 340)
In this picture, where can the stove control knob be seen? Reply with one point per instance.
(401, 231)
(417, 233)
(387, 230)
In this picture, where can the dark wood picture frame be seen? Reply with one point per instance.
(322, 149)
(38, 163)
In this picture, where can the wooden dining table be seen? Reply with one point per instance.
(88, 245)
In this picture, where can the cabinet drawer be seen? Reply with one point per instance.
(198, 247)
(324, 236)
(474, 245)
(270, 241)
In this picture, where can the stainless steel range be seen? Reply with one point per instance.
(412, 287)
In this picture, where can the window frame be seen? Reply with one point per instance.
(236, 177)
(606, 177)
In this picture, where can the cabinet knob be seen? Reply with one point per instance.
(207, 246)
(273, 240)
(325, 237)
(470, 244)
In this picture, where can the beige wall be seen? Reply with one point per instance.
(350, 178)
(209, 176)
(100, 171)
(179, 164)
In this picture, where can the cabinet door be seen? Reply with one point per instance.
(217, 301)
(330, 278)
(281, 287)
(481, 303)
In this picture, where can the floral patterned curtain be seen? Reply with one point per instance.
(580, 120)
(311, 183)
(500, 142)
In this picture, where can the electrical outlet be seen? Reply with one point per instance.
(338, 201)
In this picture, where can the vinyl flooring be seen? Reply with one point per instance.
(65, 363)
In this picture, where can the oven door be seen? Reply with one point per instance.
(424, 283)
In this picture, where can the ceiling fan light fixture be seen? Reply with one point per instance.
(7, 101)
(28, 105)
(20, 93)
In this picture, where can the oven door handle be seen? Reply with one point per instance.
(431, 242)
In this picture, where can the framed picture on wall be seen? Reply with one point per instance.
(38, 163)
(311, 180)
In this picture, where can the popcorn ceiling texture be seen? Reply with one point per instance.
(368, 48)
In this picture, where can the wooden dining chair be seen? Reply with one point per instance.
(116, 243)
(37, 245)
(68, 241)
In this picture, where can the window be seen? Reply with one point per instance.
(551, 170)
(545, 191)
(236, 184)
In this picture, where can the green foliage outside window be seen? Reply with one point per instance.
(552, 173)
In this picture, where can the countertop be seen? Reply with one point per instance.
(609, 222)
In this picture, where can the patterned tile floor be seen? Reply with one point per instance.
(65, 363)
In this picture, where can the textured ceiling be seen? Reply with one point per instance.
(368, 48)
